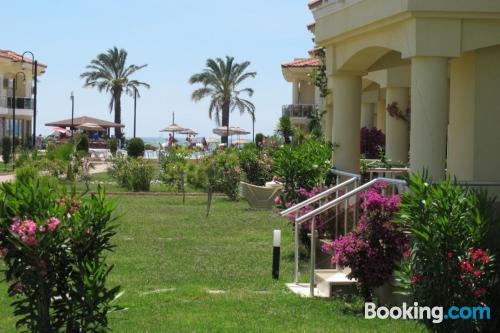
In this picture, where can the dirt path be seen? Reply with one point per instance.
(98, 168)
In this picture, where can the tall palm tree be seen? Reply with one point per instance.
(109, 73)
(220, 80)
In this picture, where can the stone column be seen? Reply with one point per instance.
(328, 122)
(396, 142)
(367, 111)
(381, 115)
(295, 92)
(346, 121)
(429, 114)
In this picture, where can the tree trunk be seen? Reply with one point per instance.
(225, 120)
(118, 113)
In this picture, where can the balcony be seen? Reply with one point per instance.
(21, 102)
(303, 111)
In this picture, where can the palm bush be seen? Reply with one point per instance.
(220, 80)
(109, 73)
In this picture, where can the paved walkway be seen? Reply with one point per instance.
(98, 168)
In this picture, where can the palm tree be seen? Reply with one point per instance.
(220, 80)
(109, 73)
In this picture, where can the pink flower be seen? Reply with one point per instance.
(477, 273)
(53, 224)
(26, 231)
(277, 201)
(451, 255)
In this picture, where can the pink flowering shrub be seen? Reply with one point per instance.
(373, 250)
(53, 246)
(454, 246)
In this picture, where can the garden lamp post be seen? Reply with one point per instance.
(14, 87)
(34, 71)
(72, 97)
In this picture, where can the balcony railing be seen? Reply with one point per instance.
(21, 102)
(298, 110)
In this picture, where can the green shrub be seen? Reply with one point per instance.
(134, 174)
(135, 147)
(259, 139)
(6, 149)
(83, 143)
(256, 165)
(141, 175)
(173, 169)
(26, 173)
(454, 239)
(113, 146)
(54, 247)
(302, 166)
(196, 175)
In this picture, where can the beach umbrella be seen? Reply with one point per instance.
(239, 131)
(224, 131)
(91, 127)
(173, 127)
(188, 132)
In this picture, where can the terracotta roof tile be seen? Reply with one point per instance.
(300, 63)
(16, 57)
(311, 26)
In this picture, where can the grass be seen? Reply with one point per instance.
(184, 273)
(111, 185)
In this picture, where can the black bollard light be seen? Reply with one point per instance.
(276, 253)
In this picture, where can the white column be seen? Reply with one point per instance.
(367, 111)
(381, 115)
(429, 114)
(396, 139)
(295, 92)
(346, 121)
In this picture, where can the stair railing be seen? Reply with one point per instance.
(353, 179)
(312, 215)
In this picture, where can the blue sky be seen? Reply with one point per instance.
(174, 38)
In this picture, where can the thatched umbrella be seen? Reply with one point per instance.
(91, 127)
(173, 127)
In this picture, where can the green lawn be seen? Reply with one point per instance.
(184, 273)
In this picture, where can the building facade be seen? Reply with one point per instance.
(426, 72)
(12, 63)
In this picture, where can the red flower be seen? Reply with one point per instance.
(461, 277)
(479, 292)
(416, 278)
(477, 273)
(465, 266)
(451, 255)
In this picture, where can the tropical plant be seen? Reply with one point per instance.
(454, 238)
(110, 73)
(134, 174)
(285, 129)
(220, 82)
(54, 248)
(135, 148)
(259, 139)
(173, 167)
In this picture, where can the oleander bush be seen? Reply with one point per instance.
(54, 247)
(134, 174)
(453, 260)
(256, 164)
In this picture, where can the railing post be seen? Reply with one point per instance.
(355, 214)
(313, 255)
(296, 250)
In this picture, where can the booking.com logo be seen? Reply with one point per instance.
(436, 313)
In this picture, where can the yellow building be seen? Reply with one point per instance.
(10, 64)
(436, 62)
(305, 95)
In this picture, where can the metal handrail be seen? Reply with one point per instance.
(317, 197)
(348, 195)
(345, 173)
